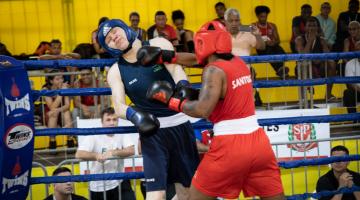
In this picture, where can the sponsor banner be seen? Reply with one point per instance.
(276, 133)
(16, 129)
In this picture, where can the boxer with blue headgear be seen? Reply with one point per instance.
(104, 30)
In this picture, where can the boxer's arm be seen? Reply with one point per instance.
(86, 155)
(117, 90)
(185, 59)
(125, 152)
(211, 91)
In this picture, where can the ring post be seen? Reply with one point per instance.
(16, 129)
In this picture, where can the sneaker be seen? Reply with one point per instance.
(331, 98)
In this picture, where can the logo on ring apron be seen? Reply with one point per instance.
(302, 132)
(22, 103)
(18, 136)
(18, 180)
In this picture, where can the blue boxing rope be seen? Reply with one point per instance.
(201, 124)
(317, 161)
(88, 177)
(257, 84)
(40, 64)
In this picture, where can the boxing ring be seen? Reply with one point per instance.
(202, 124)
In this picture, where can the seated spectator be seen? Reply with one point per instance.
(354, 36)
(327, 24)
(271, 37)
(3, 50)
(339, 177)
(185, 36)
(312, 42)
(85, 106)
(352, 14)
(85, 50)
(134, 24)
(99, 50)
(161, 29)
(352, 93)
(57, 108)
(220, 9)
(298, 25)
(99, 149)
(63, 191)
(55, 52)
(243, 41)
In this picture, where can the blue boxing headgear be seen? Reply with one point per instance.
(105, 28)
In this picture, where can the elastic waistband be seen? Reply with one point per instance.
(174, 120)
(236, 126)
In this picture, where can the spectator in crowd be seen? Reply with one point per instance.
(55, 52)
(134, 19)
(63, 191)
(86, 106)
(99, 149)
(243, 41)
(42, 48)
(220, 9)
(3, 50)
(327, 24)
(298, 25)
(352, 93)
(99, 50)
(312, 42)
(339, 177)
(270, 36)
(185, 36)
(354, 36)
(352, 14)
(85, 50)
(161, 29)
(57, 108)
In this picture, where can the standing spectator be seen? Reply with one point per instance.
(298, 25)
(56, 54)
(220, 9)
(100, 51)
(42, 48)
(343, 21)
(327, 24)
(161, 29)
(63, 191)
(339, 177)
(243, 41)
(352, 93)
(270, 35)
(354, 36)
(311, 42)
(86, 106)
(185, 36)
(99, 149)
(57, 108)
(134, 25)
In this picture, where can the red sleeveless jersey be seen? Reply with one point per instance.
(267, 30)
(238, 101)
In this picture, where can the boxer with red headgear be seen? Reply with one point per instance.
(240, 156)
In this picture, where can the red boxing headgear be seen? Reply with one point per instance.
(211, 38)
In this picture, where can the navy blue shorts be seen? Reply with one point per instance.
(169, 156)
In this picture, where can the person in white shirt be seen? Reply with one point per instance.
(99, 148)
(352, 93)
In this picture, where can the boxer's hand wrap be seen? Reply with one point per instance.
(162, 91)
(149, 56)
(146, 123)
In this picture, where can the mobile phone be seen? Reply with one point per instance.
(245, 28)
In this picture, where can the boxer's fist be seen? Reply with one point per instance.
(185, 91)
(161, 91)
(146, 123)
(149, 55)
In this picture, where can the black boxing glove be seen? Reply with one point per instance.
(146, 123)
(162, 91)
(184, 90)
(149, 55)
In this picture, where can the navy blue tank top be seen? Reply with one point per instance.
(137, 79)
